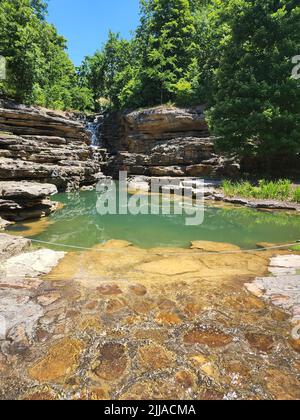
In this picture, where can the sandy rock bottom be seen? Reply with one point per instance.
(120, 322)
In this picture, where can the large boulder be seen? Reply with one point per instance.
(26, 190)
(24, 200)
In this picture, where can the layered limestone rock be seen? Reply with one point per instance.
(164, 141)
(46, 146)
(26, 200)
(38, 147)
(34, 121)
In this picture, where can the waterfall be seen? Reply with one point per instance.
(94, 127)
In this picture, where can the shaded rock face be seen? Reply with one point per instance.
(46, 146)
(164, 141)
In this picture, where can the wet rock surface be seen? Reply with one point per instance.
(112, 325)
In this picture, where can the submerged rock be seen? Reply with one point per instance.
(207, 336)
(111, 363)
(61, 360)
(154, 357)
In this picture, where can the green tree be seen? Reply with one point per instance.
(256, 108)
(109, 72)
(39, 70)
(166, 36)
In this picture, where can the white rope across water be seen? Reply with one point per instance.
(242, 251)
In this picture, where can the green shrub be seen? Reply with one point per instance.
(275, 190)
(295, 248)
(296, 195)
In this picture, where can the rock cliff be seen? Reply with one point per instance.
(40, 146)
(164, 141)
(45, 146)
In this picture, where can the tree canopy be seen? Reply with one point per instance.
(39, 70)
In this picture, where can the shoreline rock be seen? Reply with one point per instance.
(281, 288)
(211, 192)
(25, 200)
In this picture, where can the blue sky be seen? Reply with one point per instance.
(85, 23)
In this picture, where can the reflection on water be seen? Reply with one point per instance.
(79, 224)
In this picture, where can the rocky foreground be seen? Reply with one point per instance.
(121, 322)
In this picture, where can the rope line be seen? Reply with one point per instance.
(242, 251)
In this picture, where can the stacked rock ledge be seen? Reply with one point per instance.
(41, 152)
(164, 141)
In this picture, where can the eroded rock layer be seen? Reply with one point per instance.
(164, 141)
(45, 146)
(42, 152)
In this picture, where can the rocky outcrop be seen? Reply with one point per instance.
(164, 141)
(41, 152)
(46, 146)
(34, 121)
(26, 200)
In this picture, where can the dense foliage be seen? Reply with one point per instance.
(256, 102)
(39, 70)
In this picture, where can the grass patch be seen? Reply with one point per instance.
(276, 190)
(295, 248)
(296, 195)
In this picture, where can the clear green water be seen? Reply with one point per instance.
(79, 224)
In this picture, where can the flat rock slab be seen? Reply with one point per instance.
(31, 264)
(286, 261)
(25, 189)
(281, 291)
(283, 288)
(12, 245)
(259, 204)
(206, 246)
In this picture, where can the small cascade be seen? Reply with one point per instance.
(95, 128)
